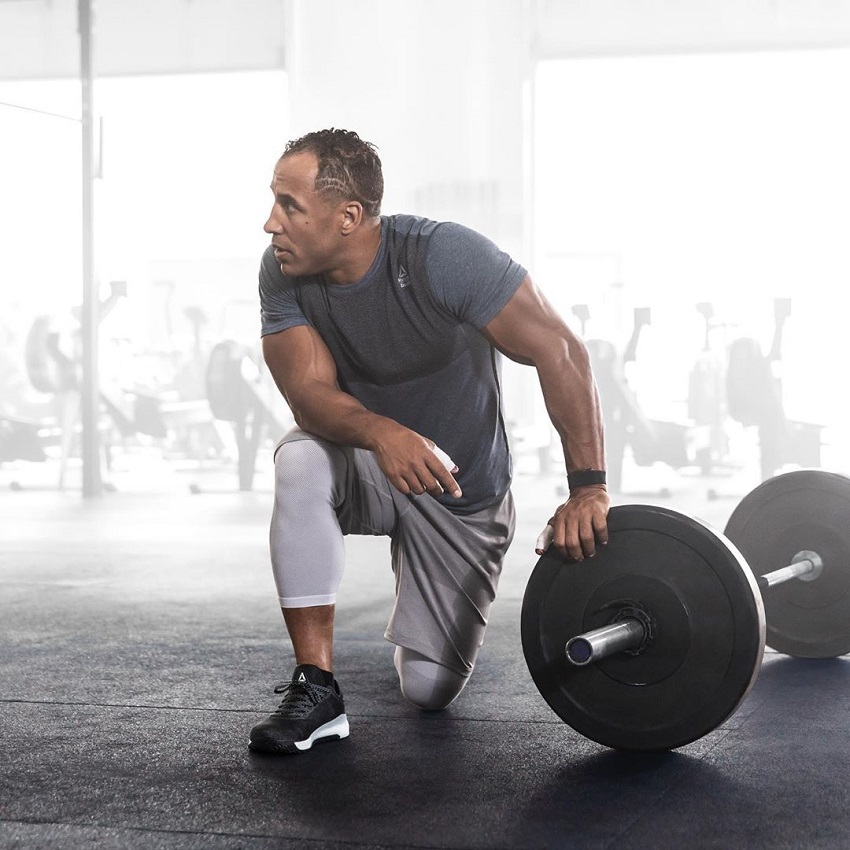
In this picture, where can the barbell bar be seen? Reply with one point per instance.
(630, 633)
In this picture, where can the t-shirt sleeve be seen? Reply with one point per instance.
(279, 308)
(469, 275)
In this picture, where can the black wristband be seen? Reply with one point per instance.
(585, 477)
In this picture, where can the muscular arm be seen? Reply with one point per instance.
(305, 373)
(530, 331)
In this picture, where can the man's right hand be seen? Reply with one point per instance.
(412, 464)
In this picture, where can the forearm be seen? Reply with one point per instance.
(572, 403)
(305, 373)
(336, 416)
(407, 458)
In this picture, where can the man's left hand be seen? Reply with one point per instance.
(579, 525)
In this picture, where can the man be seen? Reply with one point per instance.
(383, 333)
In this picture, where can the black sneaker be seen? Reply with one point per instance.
(311, 711)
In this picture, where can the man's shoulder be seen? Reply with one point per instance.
(429, 237)
(405, 224)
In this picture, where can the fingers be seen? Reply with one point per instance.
(577, 543)
(600, 528)
(444, 473)
(544, 540)
(578, 528)
(447, 462)
(419, 485)
(432, 475)
(434, 482)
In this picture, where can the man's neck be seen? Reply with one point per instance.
(361, 256)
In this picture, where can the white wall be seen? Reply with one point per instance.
(437, 86)
(623, 27)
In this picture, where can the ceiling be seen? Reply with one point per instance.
(39, 38)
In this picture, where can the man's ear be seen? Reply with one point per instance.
(352, 215)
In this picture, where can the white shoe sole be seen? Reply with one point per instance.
(336, 728)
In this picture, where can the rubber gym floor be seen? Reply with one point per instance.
(141, 641)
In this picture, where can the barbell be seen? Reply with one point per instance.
(657, 640)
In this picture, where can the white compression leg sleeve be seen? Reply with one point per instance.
(425, 683)
(307, 544)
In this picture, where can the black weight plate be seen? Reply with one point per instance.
(804, 509)
(707, 622)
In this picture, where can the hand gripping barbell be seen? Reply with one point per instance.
(657, 640)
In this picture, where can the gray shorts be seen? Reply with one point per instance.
(446, 566)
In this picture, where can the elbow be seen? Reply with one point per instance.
(300, 418)
(309, 419)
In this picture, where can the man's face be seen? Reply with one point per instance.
(305, 228)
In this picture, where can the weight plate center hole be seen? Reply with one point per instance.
(816, 560)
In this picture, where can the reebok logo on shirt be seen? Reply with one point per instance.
(403, 277)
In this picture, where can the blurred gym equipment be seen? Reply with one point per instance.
(627, 426)
(53, 366)
(707, 396)
(238, 393)
(754, 398)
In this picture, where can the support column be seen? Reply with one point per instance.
(92, 483)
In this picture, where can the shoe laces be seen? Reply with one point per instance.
(301, 698)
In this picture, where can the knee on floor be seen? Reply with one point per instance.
(425, 683)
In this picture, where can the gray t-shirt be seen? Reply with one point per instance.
(406, 343)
